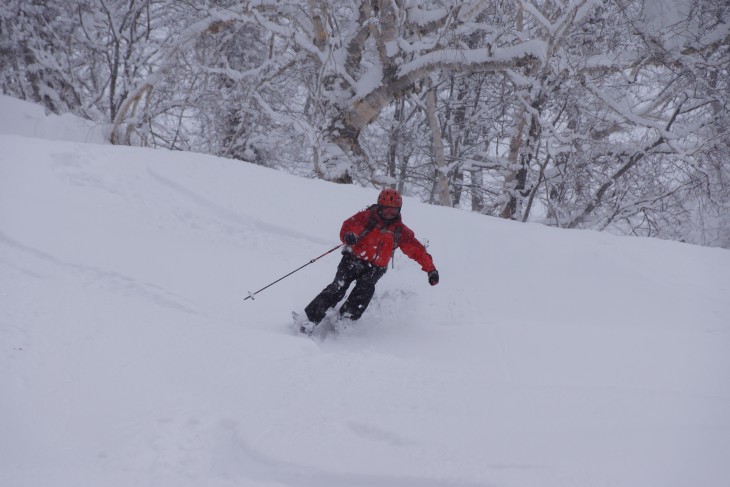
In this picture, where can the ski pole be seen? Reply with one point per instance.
(251, 295)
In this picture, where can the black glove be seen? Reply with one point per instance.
(350, 238)
(433, 277)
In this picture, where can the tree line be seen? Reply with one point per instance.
(600, 114)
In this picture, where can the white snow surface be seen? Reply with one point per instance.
(20, 117)
(128, 356)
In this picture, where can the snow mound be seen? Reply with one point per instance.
(30, 120)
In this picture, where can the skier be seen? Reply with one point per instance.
(370, 237)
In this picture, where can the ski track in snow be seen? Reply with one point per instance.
(93, 276)
(234, 217)
(237, 458)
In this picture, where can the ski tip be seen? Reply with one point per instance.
(305, 326)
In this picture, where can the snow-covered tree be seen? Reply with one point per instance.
(577, 113)
(36, 63)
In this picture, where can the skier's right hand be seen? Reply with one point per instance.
(350, 238)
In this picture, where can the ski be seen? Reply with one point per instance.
(306, 327)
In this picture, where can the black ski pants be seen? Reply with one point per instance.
(350, 269)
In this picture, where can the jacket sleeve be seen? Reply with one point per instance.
(355, 224)
(414, 249)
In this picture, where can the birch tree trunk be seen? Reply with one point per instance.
(442, 183)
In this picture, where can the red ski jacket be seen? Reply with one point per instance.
(376, 239)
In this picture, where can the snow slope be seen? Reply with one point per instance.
(20, 117)
(128, 356)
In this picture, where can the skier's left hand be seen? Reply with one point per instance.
(350, 239)
(433, 277)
